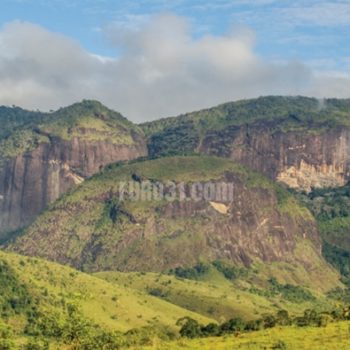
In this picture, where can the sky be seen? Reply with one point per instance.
(155, 58)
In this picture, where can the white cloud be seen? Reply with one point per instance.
(161, 70)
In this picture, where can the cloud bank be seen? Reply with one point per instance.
(161, 70)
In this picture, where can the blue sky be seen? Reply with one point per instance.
(279, 39)
(314, 31)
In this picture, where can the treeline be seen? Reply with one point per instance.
(292, 293)
(229, 271)
(190, 328)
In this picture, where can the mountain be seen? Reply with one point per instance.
(299, 141)
(94, 229)
(176, 227)
(43, 155)
(302, 142)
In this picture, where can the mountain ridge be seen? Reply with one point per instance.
(54, 152)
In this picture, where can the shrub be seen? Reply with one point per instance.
(192, 273)
(190, 328)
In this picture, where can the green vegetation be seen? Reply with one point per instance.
(331, 207)
(190, 328)
(14, 297)
(192, 273)
(89, 120)
(230, 271)
(294, 294)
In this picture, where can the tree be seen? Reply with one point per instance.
(190, 328)
(233, 325)
(211, 329)
(282, 317)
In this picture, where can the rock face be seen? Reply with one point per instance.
(29, 182)
(302, 160)
(32, 179)
(92, 229)
(289, 139)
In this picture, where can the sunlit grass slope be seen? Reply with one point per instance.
(109, 305)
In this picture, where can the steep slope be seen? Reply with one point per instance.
(94, 228)
(299, 141)
(44, 155)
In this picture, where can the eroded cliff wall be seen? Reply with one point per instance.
(32, 180)
(301, 159)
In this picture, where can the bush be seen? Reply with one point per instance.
(229, 271)
(211, 330)
(192, 273)
(190, 328)
(233, 325)
(294, 294)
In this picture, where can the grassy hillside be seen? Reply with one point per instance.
(47, 306)
(183, 134)
(34, 291)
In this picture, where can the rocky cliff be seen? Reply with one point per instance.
(295, 140)
(300, 159)
(57, 152)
